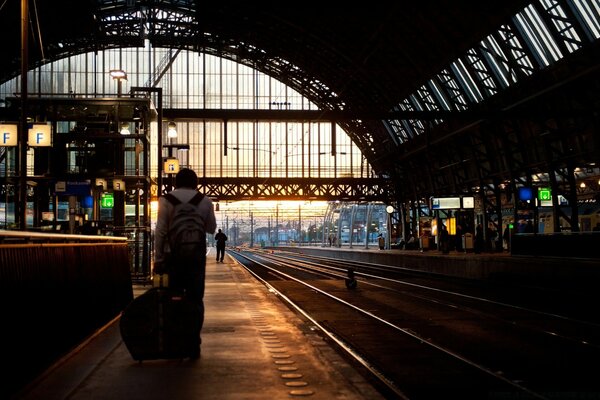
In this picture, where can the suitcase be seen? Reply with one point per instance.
(161, 324)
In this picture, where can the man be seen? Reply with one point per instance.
(185, 274)
(220, 238)
(444, 239)
(381, 241)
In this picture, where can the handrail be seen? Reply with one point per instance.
(27, 235)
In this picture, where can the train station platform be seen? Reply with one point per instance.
(253, 347)
(557, 272)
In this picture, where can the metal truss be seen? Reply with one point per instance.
(322, 189)
(442, 150)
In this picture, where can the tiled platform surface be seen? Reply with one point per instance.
(253, 347)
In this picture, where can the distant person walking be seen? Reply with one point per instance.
(381, 242)
(506, 237)
(220, 238)
(444, 239)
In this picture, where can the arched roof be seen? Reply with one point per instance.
(364, 60)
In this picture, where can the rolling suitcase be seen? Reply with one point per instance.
(161, 323)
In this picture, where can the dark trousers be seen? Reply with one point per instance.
(220, 253)
(188, 275)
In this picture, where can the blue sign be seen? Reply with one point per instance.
(525, 193)
(76, 189)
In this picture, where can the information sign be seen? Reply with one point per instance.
(107, 200)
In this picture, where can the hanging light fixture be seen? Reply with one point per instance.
(119, 75)
(125, 128)
(172, 130)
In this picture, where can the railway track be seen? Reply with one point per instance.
(423, 336)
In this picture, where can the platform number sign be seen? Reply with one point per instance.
(171, 166)
(107, 200)
(544, 194)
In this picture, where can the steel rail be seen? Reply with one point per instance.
(388, 323)
(342, 344)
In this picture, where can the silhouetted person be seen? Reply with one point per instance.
(444, 239)
(381, 241)
(220, 238)
(506, 237)
(458, 238)
(185, 273)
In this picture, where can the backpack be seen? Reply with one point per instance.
(186, 231)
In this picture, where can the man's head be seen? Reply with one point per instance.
(186, 178)
(219, 231)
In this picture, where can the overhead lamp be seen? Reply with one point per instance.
(118, 74)
(125, 128)
(172, 130)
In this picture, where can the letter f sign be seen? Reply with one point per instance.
(8, 134)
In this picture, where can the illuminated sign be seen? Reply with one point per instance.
(444, 203)
(107, 200)
(40, 136)
(118, 184)
(525, 193)
(468, 202)
(544, 194)
(562, 201)
(171, 166)
(101, 182)
(8, 135)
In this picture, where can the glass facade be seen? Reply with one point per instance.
(191, 80)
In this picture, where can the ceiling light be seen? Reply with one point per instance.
(125, 128)
(172, 130)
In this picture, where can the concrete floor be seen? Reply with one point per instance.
(253, 347)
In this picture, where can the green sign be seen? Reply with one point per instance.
(544, 194)
(107, 200)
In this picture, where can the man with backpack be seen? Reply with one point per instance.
(185, 216)
(220, 238)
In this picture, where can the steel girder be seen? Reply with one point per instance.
(508, 148)
(329, 83)
(346, 189)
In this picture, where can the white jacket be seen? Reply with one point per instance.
(165, 210)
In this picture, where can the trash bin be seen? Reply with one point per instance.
(424, 241)
(467, 241)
